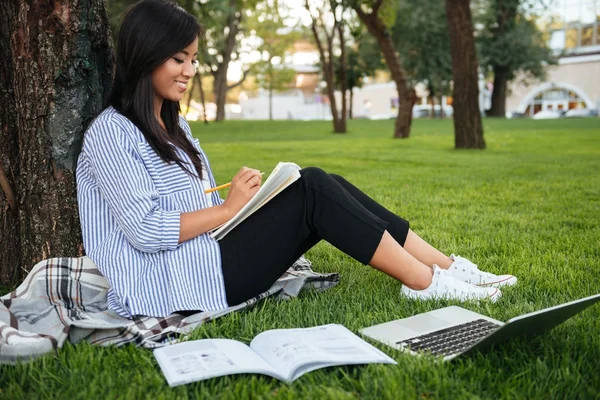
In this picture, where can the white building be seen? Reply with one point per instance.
(575, 82)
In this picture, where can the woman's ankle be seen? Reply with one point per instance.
(420, 281)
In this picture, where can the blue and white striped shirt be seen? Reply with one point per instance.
(130, 203)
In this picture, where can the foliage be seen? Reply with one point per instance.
(510, 39)
(420, 35)
(527, 206)
(386, 9)
(267, 24)
(363, 57)
(114, 9)
(220, 19)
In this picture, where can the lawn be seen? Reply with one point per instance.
(528, 205)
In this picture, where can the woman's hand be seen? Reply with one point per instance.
(244, 186)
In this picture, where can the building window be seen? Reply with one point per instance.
(573, 25)
(555, 99)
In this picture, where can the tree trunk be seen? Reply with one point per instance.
(432, 99)
(343, 78)
(190, 94)
(468, 130)
(498, 108)
(56, 69)
(220, 91)
(377, 28)
(412, 93)
(220, 83)
(271, 102)
(506, 12)
(202, 98)
(270, 71)
(351, 106)
(440, 101)
(327, 69)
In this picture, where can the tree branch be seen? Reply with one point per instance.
(313, 26)
(376, 7)
(8, 192)
(242, 79)
(364, 17)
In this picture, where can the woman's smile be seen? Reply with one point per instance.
(182, 85)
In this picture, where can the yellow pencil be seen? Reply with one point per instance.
(223, 186)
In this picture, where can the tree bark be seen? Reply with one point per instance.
(468, 130)
(498, 108)
(56, 68)
(378, 29)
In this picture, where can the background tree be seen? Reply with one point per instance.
(56, 68)
(468, 130)
(267, 23)
(115, 9)
(363, 59)
(379, 17)
(326, 23)
(420, 35)
(511, 44)
(224, 26)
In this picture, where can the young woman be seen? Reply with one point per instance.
(141, 178)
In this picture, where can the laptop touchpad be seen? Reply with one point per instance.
(424, 323)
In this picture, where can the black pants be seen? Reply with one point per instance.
(317, 206)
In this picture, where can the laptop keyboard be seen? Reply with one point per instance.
(450, 340)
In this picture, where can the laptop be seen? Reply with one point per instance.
(454, 331)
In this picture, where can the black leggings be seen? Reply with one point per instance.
(317, 206)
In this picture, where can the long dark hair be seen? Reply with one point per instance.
(151, 32)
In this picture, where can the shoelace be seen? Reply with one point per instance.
(473, 268)
(458, 284)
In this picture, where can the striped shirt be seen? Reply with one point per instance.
(130, 203)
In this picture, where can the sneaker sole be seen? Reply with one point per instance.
(495, 296)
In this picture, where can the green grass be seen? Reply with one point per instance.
(528, 205)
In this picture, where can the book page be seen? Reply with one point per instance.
(294, 352)
(208, 358)
(284, 174)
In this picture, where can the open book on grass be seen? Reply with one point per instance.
(284, 174)
(285, 354)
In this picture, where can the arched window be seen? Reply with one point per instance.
(554, 96)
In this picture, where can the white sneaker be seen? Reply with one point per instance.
(444, 286)
(464, 270)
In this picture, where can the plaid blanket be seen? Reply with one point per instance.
(65, 299)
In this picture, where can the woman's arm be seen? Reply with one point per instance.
(244, 186)
(125, 184)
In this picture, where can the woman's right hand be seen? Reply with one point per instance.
(244, 186)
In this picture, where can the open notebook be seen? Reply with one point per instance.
(284, 174)
(284, 354)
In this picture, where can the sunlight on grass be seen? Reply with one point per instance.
(528, 205)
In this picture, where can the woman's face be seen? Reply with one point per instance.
(170, 79)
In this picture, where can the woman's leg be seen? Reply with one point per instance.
(461, 268)
(257, 252)
(394, 260)
(398, 227)
(425, 252)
